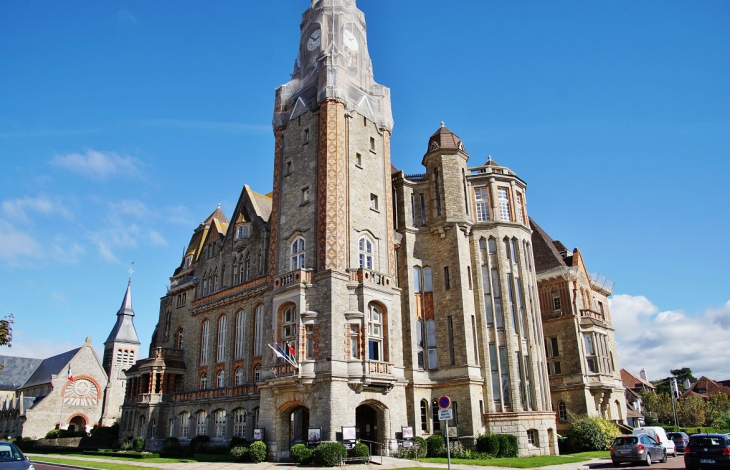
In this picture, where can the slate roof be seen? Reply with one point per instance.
(16, 371)
(262, 203)
(123, 331)
(54, 365)
(445, 139)
(547, 255)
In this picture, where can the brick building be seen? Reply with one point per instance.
(585, 378)
(352, 294)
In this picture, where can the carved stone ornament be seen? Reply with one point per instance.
(81, 392)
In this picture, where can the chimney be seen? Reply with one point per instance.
(642, 374)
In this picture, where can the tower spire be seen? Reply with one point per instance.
(124, 330)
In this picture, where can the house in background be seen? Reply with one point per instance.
(634, 385)
(706, 387)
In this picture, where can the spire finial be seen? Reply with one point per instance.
(489, 158)
(442, 124)
(219, 205)
(131, 271)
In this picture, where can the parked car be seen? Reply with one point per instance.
(660, 435)
(637, 448)
(680, 440)
(11, 458)
(707, 451)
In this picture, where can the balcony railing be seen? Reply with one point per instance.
(378, 367)
(293, 277)
(590, 313)
(248, 389)
(166, 353)
(366, 275)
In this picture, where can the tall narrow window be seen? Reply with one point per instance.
(424, 416)
(204, 334)
(562, 411)
(513, 311)
(179, 341)
(474, 335)
(204, 381)
(435, 416)
(497, 293)
(466, 198)
(375, 333)
(481, 196)
(221, 350)
(468, 276)
(247, 269)
(555, 295)
(590, 353)
(257, 373)
(365, 251)
(518, 208)
(494, 366)
(184, 425)
(452, 353)
(505, 375)
(437, 191)
(423, 209)
(289, 328)
(354, 349)
(504, 209)
(374, 202)
(220, 379)
(239, 423)
(413, 210)
(447, 279)
(202, 424)
(258, 330)
(240, 334)
(297, 254)
(220, 423)
(239, 376)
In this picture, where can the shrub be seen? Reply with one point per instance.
(112, 430)
(237, 441)
(126, 443)
(360, 451)
(458, 451)
(171, 444)
(239, 453)
(328, 454)
(507, 445)
(299, 453)
(53, 434)
(420, 443)
(138, 444)
(257, 451)
(588, 434)
(488, 444)
(436, 446)
(196, 441)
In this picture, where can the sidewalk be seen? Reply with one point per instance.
(388, 463)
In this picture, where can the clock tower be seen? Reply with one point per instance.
(332, 243)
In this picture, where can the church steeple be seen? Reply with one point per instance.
(124, 331)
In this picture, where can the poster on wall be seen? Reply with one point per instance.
(349, 433)
(407, 432)
(314, 435)
(258, 434)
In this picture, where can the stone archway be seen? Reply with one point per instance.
(371, 421)
(77, 423)
(292, 426)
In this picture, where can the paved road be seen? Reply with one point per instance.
(672, 463)
(50, 466)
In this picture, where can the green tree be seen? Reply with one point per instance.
(685, 373)
(6, 332)
(691, 411)
(716, 406)
(657, 407)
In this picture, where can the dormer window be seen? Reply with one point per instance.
(434, 146)
(243, 231)
(188, 261)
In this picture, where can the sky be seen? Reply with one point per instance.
(123, 124)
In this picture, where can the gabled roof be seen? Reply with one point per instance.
(50, 366)
(16, 371)
(634, 381)
(261, 203)
(705, 387)
(544, 249)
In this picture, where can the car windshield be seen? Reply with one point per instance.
(8, 452)
(707, 441)
(626, 440)
(674, 435)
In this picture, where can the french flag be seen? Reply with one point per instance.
(70, 376)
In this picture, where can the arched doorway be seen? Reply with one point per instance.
(77, 423)
(298, 425)
(293, 422)
(371, 421)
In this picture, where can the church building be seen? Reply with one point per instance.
(354, 295)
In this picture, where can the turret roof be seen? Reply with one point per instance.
(123, 331)
(443, 138)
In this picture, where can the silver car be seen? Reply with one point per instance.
(637, 448)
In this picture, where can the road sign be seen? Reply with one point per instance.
(445, 415)
(444, 402)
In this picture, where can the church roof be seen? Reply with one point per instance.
(443, 138)
(16, 371)
(123, 331)
(54, 365)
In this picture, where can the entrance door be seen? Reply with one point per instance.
(298, 425)
(366, 423)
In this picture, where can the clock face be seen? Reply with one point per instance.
(350, 40)
(314, 40)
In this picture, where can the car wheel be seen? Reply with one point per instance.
(664, 457)
(647, 460)
(616, 464)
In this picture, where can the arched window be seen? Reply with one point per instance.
(239, 422)
(257, 373)
(424, 416)
(435, 416)
(204, 334)
(365, 251)
(220, 379)
(375, 333)
(202, 423)
(220, 423)
(239, 376)
(297, 254)
(258, 330)
(240, 322)
(204, 381)
(562, 411)
(289, 328)
(184, 424)
(179, 341)
(221, 350)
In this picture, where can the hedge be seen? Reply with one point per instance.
(328, 454)
(257, 451)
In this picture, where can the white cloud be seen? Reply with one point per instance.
(663, 340)
(17, 209)
(38, 349)
(17, 245)
(156, 238)
(131, 207)
(98, 165)
(126, 18)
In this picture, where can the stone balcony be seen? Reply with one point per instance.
(298, 276)
(368, 276)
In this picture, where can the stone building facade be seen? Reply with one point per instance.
(585, 377)
(352, 294)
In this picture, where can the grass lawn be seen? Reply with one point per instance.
(89, 464)
(122, 458)
(524, 462)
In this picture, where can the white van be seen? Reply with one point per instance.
(660, 435)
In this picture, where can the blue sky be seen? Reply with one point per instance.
(124, 124)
